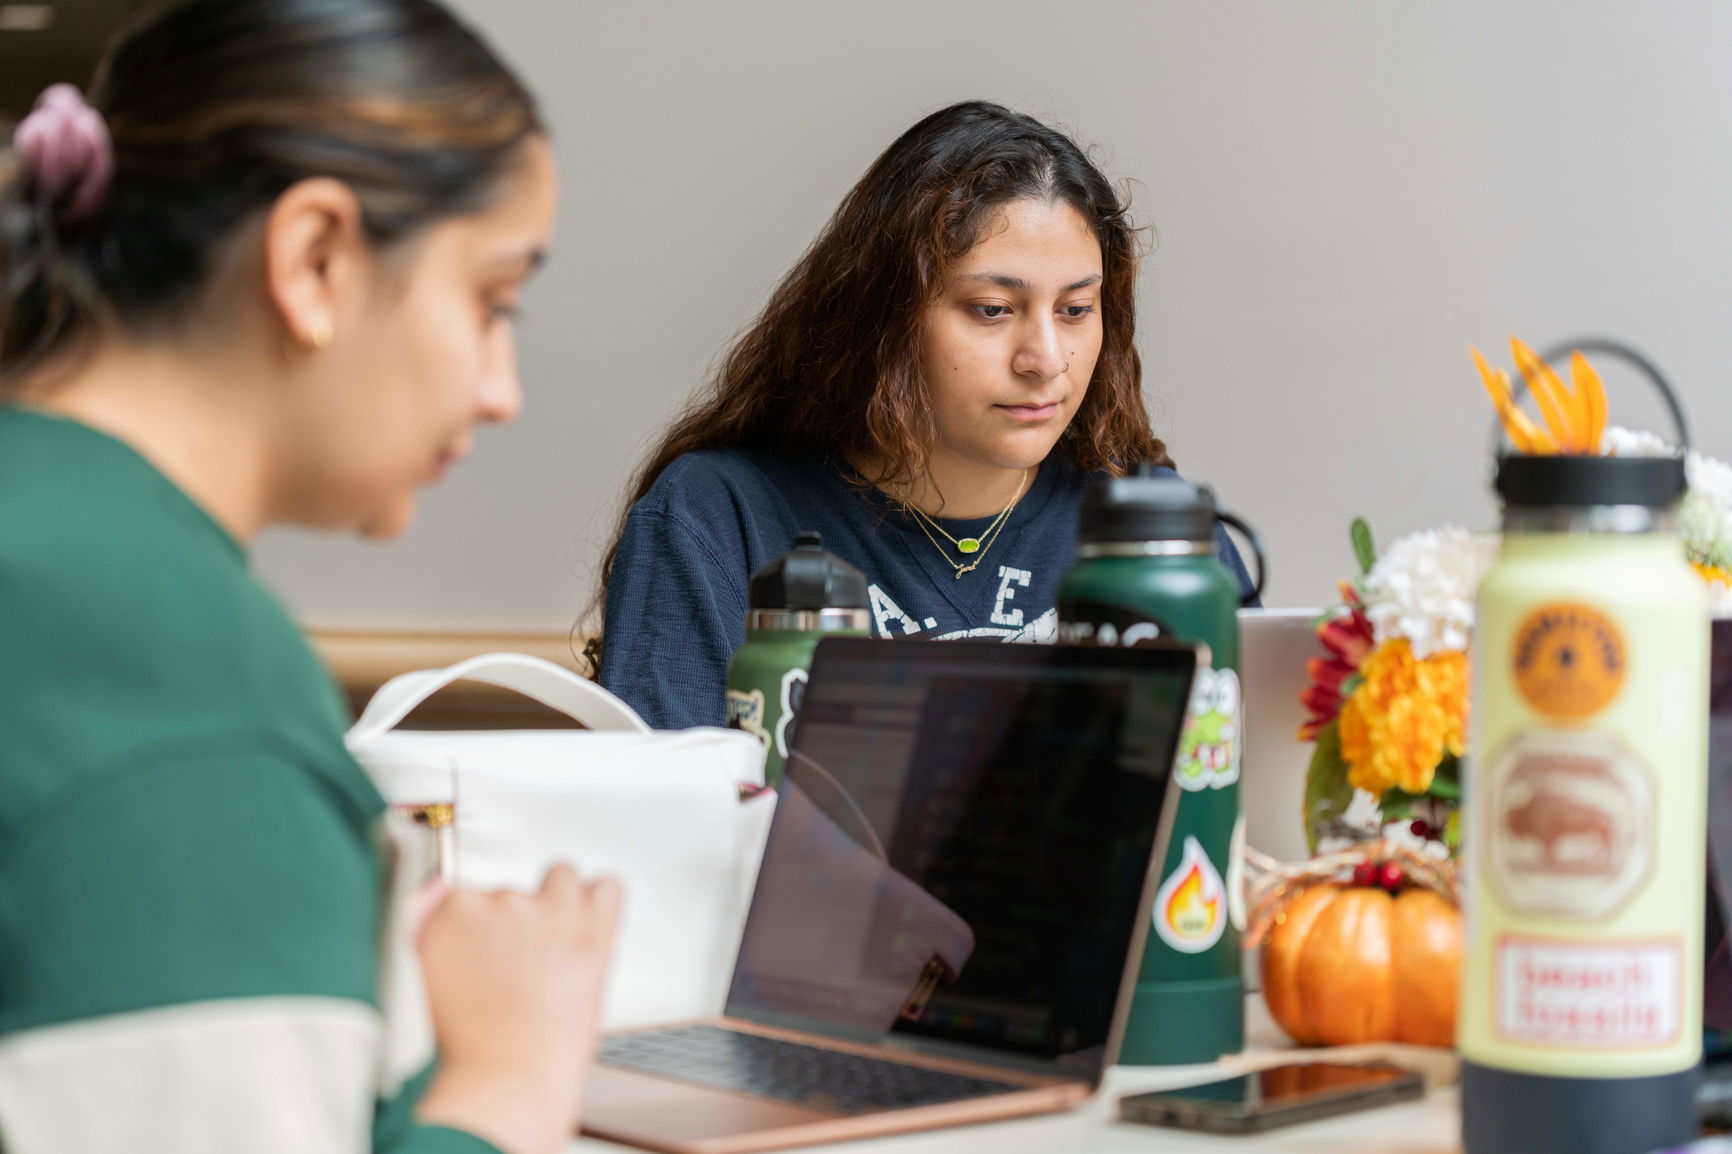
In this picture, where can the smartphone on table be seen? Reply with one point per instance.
(1278, 1096)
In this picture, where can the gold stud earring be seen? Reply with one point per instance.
(320, 334)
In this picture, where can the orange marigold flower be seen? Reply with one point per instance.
(1405, 714)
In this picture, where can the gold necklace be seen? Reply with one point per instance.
(977, 545)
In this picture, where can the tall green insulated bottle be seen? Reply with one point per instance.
(804, 595)
(1147, 568)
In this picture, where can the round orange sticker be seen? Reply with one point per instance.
(1569, 660)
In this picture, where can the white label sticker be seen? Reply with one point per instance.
(1597, 995)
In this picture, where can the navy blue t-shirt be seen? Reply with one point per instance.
(676, 603)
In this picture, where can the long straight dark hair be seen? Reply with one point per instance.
(216, 107)
(832, 364)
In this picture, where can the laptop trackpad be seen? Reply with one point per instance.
(628, 1107)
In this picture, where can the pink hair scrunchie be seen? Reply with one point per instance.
(64, 147)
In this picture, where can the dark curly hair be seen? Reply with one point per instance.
(832, 364)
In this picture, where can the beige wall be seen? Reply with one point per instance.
(1347, 194)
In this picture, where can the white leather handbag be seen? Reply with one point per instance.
(660, 811)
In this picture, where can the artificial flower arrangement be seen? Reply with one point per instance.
(1363, 942)
(1389, 702)
(1389, 699)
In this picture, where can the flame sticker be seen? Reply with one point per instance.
(1190, 907)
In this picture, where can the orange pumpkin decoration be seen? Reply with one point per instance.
(1346, 964)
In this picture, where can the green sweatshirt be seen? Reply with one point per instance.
(191, 883)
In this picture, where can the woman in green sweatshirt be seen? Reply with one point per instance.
(265, 275)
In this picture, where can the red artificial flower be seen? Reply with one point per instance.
(1349, 640)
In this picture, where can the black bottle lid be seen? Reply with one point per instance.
(1146, 505)
(1582, 481)
(808, 577)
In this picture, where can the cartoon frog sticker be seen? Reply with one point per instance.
(1210, 745)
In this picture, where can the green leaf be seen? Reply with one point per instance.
(1327, 790)
(1363, 547)
(1396, 805)
(1445, 790)
(1452, 831)
(1446, 782)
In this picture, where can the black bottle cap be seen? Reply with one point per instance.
(1145, 505)
(1580, 481)
(808, 577)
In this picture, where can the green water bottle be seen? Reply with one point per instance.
(1146, 569)
(805, 594)
(1585, 796)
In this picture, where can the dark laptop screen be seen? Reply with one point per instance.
(961, 845)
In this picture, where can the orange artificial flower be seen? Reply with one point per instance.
(1403, 717)
(1574, 415)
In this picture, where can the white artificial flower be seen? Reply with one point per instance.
(1709, 477)
(1706, 526)
(1618, 441)
(1423, 587)
(1704, 516)
(1719, 599)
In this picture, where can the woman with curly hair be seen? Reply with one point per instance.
(931, 387)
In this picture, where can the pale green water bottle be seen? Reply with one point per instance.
(1581, 1009)
(802, 596)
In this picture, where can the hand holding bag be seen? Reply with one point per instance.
(660, 811)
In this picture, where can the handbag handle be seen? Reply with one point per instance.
(558, 689)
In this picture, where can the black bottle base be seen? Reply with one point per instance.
(1509, 1113)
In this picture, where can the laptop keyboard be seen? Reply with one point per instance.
(788, 1071)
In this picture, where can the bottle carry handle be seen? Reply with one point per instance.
(1617, 350)
(1250, 535)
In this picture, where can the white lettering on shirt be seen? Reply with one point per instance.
(1007, 578)
(1043, 630)
(885, 611)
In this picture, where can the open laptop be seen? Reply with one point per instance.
(1274, 647)
(1716, 1087)
(952, 898)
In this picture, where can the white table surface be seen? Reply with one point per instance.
(1427, 1126)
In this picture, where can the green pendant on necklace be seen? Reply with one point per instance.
(968, 546)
